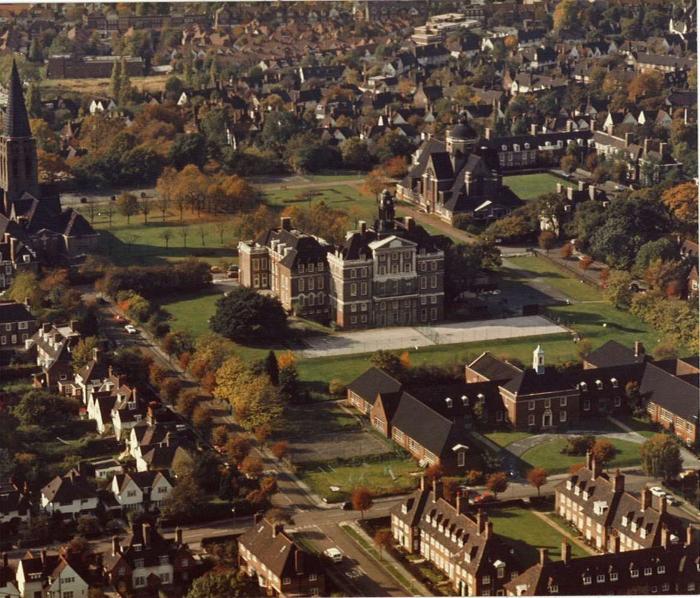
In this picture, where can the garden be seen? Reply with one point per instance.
(531, 186)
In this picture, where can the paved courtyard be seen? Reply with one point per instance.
(408, 337)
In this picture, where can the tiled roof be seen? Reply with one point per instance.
(493, 368)
(11, 311)
(372, 382)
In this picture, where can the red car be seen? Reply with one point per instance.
(483, 498)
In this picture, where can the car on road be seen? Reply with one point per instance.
(482, 499)
(130, 329)
(333, 554)
(657, 491)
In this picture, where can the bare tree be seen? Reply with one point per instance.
(163, 204)
(166, 235)
(145, 208)
(110, 212)
(221, 227)
(183, 233)
(202, 234)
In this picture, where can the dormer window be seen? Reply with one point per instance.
(613, 576)
(583, 386)
(643, 532)
(625, 521)
(599, 384)
(569, 484)
(633, 526)
(634, 572)
(647, 570)
(661, 569)
(600, 578)
(504, 148)
(614, 382)
(586, 496)
(448, 403)
(527, 146)
(577, 490)
(587, 580)
(465, 400)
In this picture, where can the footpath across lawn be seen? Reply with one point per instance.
(548, 455)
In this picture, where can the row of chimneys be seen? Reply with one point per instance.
(483, 525)
(146, 532)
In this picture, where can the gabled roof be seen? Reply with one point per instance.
(613, 353)
(372, 382)
(677, 394)
(492, 368)
(11, 311)
(68, 488)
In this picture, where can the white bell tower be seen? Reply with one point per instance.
(538, 360)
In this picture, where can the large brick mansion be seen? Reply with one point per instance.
(390, 274)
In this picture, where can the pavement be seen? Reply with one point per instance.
(365, 341)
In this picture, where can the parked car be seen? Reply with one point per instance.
(333, 554)
(130, 329)
(482, 499)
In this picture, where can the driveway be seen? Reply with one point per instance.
(367, 341)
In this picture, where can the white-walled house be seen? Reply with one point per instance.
(50, 575)
(70, 495)
(8, 581)
(137, 491)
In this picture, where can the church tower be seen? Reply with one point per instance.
(18, 159)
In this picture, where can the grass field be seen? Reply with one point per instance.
(530, 186)
(526, 533)
(643, 427)
(359, 205)
(191, 312)
(588, 314)
(506, 438)
(152, 83)
(548, 455)
(390, 476)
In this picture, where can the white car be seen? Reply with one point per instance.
(333, 554)
(657, 491)
(130, 329)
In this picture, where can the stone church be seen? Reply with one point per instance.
(34, 229)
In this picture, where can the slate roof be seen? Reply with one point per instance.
(68, 488)
(677, 394)
(426, 426)
(493, 368)
(277, 551)
(16, 119)
(613, 353)
(143, 479)
(11, 311)
(304, 248)
(372, 382)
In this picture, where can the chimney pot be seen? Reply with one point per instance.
(146, 532)
(638, 348)
(480, 521)
(543, 556)
(437, 489)
(178, 535)
(645, 499)
(565, 552)
(616, 544)
(286, 223)
(115, 545)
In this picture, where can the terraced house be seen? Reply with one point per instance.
(610, 518)
(460, 544)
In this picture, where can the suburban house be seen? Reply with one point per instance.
(461, 544)
(281, 566)
(53, 354)
(669, 568)
(17, 324)
(8, 581)
(141, 490)
(51, 575)
(149, 562)
(610, 518)
(70, 494)
(14, 502)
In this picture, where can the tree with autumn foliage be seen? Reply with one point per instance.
(319, 219)
(565, 15)
(497, 482)
(537, 478)
(383, 539)
(361, 500)
(649, 83)
(682, 202)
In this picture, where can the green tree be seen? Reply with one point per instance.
(35, 53)
(464, 263)
(83, 352)
(34, 101)
(124, 83)
(185, 501)
(661, 457)
(388, 361)
(116, 81)
(356, 154)
(289, 387)
(223, 583)
(661, 249)
(497, 482)
(244, 314)
(618, 290)
(25, 287)
(40, 408)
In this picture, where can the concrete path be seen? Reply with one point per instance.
(405, 337)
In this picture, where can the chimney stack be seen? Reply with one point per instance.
(4, 560)
(277, 529)
(480, 521)
(638, 348)
(437, 489)
(42, 554)
(422, 482)
(663, 149)
(663, 505)
(619, 482)
(628, 139)
(533, 129)
(689, 535)
(458, 501)
(363, 226)
(646, 145)
(645, 499)
(616, 544)
(299, 561)
(543, 556)
(286, 223)
(74, 325)
(665, 537)
(146, 533)
(560, 188)
(489, 529)
(178, 535)
(589, 460)
(115, 545)
(410, 223)
(487, 133)
(95, 353)
(565, 552)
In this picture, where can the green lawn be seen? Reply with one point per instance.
(545, 272)
(506, 438)
(526, 532)
(191, 312)
(548, 455)
(304, 421)
(131, 241)
(357, 204)
(530, 186)
(390, 476)
(639, 425)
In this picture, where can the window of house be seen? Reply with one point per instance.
(654, 589)
(634, 573)
(562, 416)
(531, 420)
(562, 402)
(547, 403)
(586, 405)
(587, 580)
(600, 578)
(486, 580)
(68, 594)
(139, 582)
(661, 569)
(460, 459)
(617, 401)
(613, 576)
(353, 289)
(531, 405)
(165, 577)
(313, 577)
(286, 581)
(499, 416)
(647, 570)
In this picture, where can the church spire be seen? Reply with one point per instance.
(16, 119)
